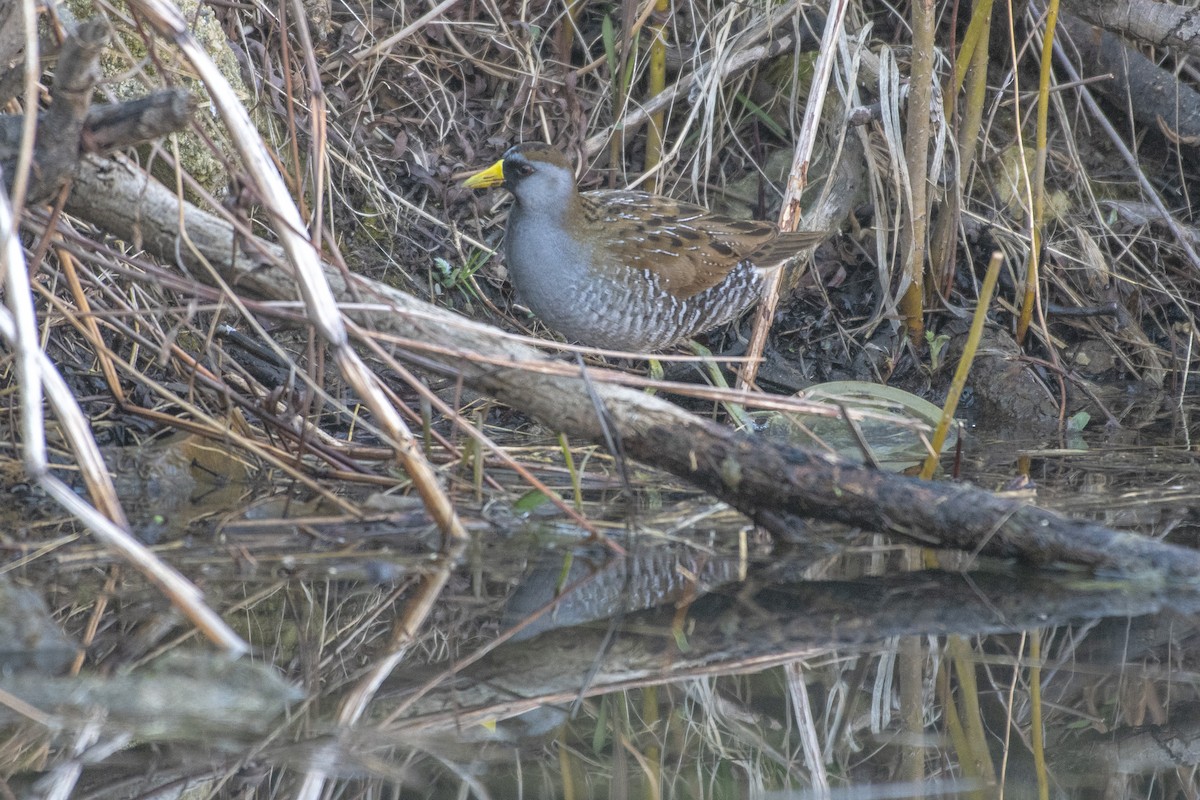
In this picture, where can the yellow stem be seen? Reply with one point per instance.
(964, 365)
(657, 81)
(1039, 174)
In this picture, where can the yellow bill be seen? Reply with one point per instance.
(492, 176)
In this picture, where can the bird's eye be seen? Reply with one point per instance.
(524, 170)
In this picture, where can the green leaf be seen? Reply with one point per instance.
(762, 116)
(530, 501)
(610, 42)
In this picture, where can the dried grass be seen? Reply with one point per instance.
(149, 352)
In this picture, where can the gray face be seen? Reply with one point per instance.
(540, 187)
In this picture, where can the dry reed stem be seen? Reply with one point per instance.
(789, 215)
(477, 435)
(748, 54)
(319, 300)
(32, 69)
(37, 374)
(201, 422)
(914, 238)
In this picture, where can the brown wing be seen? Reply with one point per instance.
(689, 247)
(786, 246)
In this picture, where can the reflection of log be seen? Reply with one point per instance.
(774, 625)
(183, 697)
(771, 482)
(1095, 758)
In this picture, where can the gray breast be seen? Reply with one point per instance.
(611, 305)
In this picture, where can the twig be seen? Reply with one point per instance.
(789, 215)
(318, 299)
(18, 327)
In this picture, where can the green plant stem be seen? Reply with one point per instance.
(1039, 175)
(569, 460)
(656, 82)
(717, 378)
(964, 365)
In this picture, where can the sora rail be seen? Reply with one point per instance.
(626, 270)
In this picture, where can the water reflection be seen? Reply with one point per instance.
(702, 661)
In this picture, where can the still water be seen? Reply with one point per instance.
(685, 655)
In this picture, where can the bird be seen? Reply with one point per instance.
(627, 270)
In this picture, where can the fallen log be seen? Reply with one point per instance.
(772, 483)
